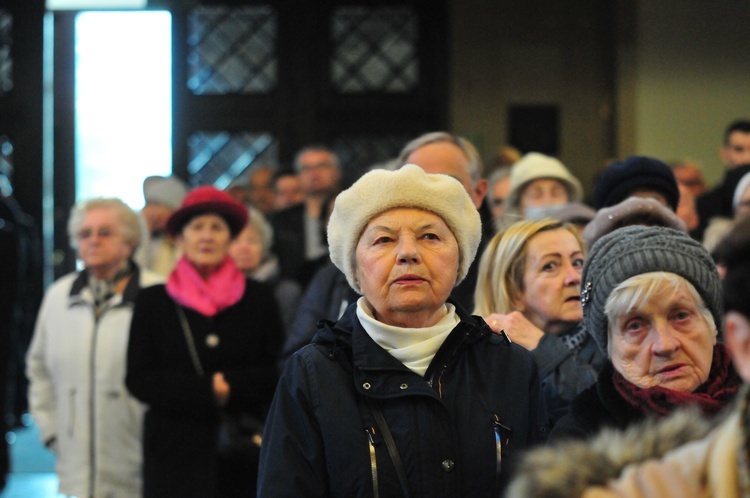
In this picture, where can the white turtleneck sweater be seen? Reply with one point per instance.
(414, 347)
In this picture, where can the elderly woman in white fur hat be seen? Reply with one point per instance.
(407, 394)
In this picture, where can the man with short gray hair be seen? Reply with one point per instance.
(444, 153)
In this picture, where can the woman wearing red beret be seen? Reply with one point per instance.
(203, 345)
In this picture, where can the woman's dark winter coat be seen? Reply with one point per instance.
(181, 424)
(444, 424)
(597, 407)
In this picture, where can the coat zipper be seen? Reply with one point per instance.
(438, 376)
(92, 407)
(371, 438)
(92, 398)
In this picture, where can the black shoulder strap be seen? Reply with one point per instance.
(389, 443)
(369, 406)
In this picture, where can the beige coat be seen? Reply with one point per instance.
(684, 455)
(704, 468)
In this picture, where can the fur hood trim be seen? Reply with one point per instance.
(568, 468)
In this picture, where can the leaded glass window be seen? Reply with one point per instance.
(232, 50)
(6, 156)
(6, 61)
(218, 158)
(375, 49)
(361, 153)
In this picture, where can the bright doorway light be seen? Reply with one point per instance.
(123, 102)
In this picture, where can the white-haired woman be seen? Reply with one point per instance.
(652, 302)
(406, 395)
(76, 361)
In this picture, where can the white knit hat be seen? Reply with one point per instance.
(535, 166)
(408, 187)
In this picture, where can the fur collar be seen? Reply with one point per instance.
(567, 468)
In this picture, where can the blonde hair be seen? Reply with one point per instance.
(503, 263)
(633, 292)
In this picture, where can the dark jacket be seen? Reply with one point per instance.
(443, 424)
(289, 240)
(597, 407)
(181, 424)
(565, 372)
(326, 298)
(717, 202)
(463, 293)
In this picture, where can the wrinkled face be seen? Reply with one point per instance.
(406, 266)
(665, 342)
(736, 151)
(247, 249)
(551, 298)
(156, 216)
(543, 192)
(204, 241)
(499, 193)
(101, 244)
(318, 173)
(288, 192)
(448, 159)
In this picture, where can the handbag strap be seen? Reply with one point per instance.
(389, 443)
(189, 339)
(344, 360)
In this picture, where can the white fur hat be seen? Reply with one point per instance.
(409, 187)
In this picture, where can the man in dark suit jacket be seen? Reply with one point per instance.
(734, 153)
(299, 231)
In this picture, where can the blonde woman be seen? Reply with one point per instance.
(529, 287)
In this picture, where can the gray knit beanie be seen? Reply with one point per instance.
(634, 250)
(408, 187)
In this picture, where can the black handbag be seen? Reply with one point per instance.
(240, 433)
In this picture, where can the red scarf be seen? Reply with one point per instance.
(220, 290)
(716, 393)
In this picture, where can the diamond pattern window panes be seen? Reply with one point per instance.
(360, 154)
(218, 158)
(6, 158)
(232, 50)
(6, 62)
(375, 49)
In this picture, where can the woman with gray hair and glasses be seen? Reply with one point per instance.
(76, 361)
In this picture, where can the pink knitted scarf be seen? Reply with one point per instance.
(220, 290)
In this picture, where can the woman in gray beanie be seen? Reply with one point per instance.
(652, 301)
(407, 394)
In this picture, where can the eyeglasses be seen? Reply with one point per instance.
(314, 167)
(102, 233)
